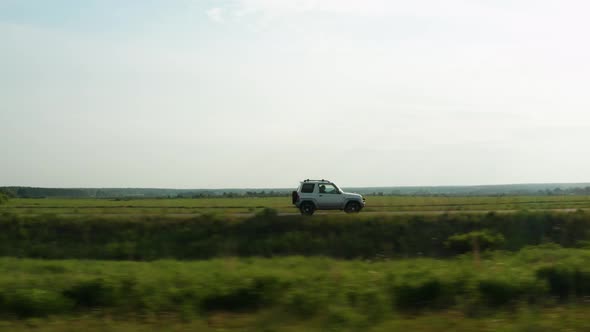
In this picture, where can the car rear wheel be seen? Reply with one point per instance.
(307, 208)
(352, 207)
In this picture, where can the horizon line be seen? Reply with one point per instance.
(282, 188)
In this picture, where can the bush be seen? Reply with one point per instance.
(304, 303)
(34, 302)
(370, 301)
(267, 213)
(495, 292)
(342, 317)
(475, 241)
(566, 281)
(92, 293)
(255, 294)
(427, 292)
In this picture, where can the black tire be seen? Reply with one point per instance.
(353, 207)
(307, 208)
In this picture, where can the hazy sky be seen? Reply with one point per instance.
(264, 93)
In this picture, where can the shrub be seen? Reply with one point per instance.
(34, 302)
(566, 281)
(92, 293)
(260, 291)
(426, 292)
(474, 241)
(304, 302)
(267, 213)
(499, 292)
(339, 317)
(371, 301)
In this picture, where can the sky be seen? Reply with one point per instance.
(265, 93)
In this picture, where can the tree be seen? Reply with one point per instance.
(475, 241)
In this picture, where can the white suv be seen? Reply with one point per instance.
(325, 195)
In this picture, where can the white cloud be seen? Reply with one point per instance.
(367, 7)
(215, 14)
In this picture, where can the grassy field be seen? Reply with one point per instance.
(187, 206)
(530, 289)
(135, 265)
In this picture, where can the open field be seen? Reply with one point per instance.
(249, 205)
(233, 264)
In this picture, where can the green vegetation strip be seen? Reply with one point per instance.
(564, 318)
(269, 235)
(354, 292)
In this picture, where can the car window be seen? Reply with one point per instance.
(307, 188)
(326, 188)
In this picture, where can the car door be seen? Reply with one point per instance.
(329, 197)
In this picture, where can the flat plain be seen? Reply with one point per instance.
(420, 263)
(251, 205)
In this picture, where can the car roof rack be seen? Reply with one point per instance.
(322, 180)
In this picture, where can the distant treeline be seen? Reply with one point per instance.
(34, 192)
(268, 235)
(492, 190)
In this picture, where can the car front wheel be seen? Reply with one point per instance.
(352, 207)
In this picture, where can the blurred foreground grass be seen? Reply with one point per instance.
(522, 319)
(537, 288)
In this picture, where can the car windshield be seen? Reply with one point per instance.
(329, 188)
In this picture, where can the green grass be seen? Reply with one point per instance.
(187, 206)
(531, 289)
(541, 288)
(524, 319)
(142, 206)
